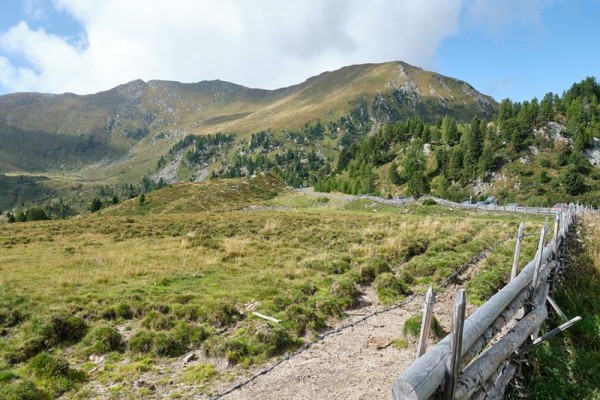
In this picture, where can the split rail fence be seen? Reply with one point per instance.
(478, 358)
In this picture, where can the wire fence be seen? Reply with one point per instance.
(475, 259)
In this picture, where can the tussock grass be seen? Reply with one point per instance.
(155, 285)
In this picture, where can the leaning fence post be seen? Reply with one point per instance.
(515, 266)
(455, 349)
(538, 265)
(426, 322)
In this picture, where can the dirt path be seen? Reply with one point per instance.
(358, 362)
(355, 363)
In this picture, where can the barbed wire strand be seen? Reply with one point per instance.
(478, 257)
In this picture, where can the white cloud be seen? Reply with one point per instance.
(263, 43)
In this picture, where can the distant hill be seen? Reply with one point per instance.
(119, 134)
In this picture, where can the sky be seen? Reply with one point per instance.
(518, 49)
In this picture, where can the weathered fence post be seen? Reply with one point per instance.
(426, 322)
(556, 228)
(515, 266)
(455, 349)
(538, 263)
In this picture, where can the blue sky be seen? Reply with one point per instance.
(505, 48)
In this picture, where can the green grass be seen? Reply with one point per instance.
(566, 366)
(143, 287)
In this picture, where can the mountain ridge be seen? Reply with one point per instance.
(119, 135)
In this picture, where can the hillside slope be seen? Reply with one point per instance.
(122, 132)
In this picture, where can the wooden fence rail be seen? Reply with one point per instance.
(487, 374)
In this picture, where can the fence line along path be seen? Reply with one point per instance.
(455, 367)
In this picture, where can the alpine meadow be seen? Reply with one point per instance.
(182, 240)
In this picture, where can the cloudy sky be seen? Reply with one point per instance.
(505, 48)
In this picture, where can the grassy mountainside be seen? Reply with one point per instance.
(535, 153)
(130, 126)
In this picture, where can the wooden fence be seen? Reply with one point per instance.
(507, 326)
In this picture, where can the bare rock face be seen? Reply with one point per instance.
(553, 132)
(593, 154)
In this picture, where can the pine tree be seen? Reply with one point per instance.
(393, 174)
(472, 145)
(450, 133)
(96, 204)
(486, 162)
(455, 165)
(573, 181)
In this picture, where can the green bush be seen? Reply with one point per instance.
(222, 314)
(429, 202)
(188, 312)
(412, 325)
(63, 329)
(121, 310)
(275, 340)
(166, 344)
(141, 342)
(345, 290)
(238, 351)
(21, 390)
(157, 321)
(38, 335)
(45, 365)
(191, 335)
(36, 214)
(103, 339)
(300, 318)
(7, 376)
(414, 247)
(124, 311)
(53, 373)
(390, 289)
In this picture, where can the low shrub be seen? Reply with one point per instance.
(190, 334)
(53, 373)
(346, 291)
(141, 342)
(121, 310)
(166, 344)
(390, 288)
(222, 314)
(47, 365)
(371, 268)
(63, 329)
(188, 312)
(103, 339)
(37, 335)
(276, 340)
(21, 390)
(300, 318)
(157, 321)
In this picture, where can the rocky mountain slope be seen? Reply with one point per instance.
(120, 134)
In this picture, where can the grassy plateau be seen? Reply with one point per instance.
(107, 305)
